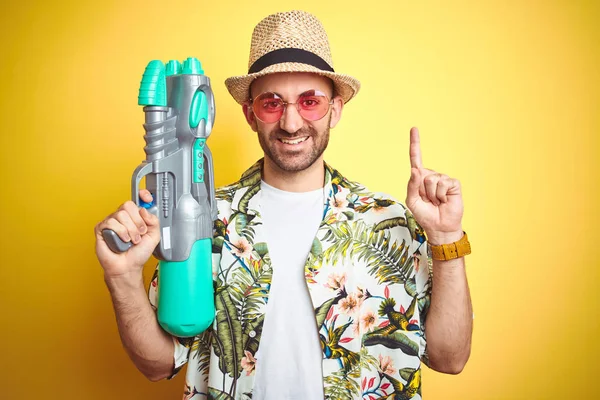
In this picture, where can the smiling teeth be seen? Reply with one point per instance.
(300, 140)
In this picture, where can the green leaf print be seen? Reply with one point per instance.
(243, 204)
(396, 340)
(390, 223)
(217, 245)
(248, 294)
(261, 248)
(349, 215)
(225, 193)
(248, 291)
(322, 310)
(255, 325)
(252, 177)
(411, 287)
(423, 303)
(406, 373)
(240, 223)
(201, 350)
(344, 384)
(215, 394)
(316, 248)
(342, 237)
(227, 344)
(337, 388)
(389, 263)
(365, 362)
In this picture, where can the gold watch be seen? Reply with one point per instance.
(444, 252)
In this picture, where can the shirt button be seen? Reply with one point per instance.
(252, 334)
(266, 268)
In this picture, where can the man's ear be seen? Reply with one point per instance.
(249, 114)
(336, 111)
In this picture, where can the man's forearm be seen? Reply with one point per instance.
(149, 347)
(449, 323)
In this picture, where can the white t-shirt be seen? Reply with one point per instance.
(289, 359)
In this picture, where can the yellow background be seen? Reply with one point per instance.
(506, 96)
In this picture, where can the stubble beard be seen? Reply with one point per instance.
(299, 161)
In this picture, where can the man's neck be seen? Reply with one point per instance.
(309, 179)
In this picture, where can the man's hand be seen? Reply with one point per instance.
(434, 199)
(134, 224)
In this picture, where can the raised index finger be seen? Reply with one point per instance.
(415, 148)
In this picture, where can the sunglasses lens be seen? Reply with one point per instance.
(268, 107)
(313, 106)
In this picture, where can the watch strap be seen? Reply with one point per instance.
(444, 252)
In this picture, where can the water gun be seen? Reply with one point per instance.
(179, 113)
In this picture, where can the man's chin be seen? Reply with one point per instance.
(291, 165)
(287, 167)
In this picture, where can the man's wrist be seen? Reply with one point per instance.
(439, 238)
(128, 281)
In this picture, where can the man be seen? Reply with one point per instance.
(346, 300)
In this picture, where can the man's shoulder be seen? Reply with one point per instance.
(230, 195)
(377, 206)
(358, 194)
(380, 211)
(250, 178)
(225, 195)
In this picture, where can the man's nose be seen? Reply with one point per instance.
(291, 121)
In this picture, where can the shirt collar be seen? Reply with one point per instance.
(247, 196)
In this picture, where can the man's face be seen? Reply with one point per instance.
(293, 143)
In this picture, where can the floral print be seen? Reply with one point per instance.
(349, 304)
(368, 321)
(369, 277)
(248, 362)
(242, 248)
(336, 281)
(386, 365)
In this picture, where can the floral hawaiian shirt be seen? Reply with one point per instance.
(369, 278)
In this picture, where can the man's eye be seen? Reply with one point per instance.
(271, 105)
(310, 102)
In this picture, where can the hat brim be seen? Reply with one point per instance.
(239, 86)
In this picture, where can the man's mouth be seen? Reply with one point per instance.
(293, 141)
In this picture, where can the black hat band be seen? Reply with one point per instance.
(289, 55)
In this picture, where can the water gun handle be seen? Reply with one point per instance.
(114, 242)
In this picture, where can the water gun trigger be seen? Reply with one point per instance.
(144, 204)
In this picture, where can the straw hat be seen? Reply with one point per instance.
(293, 41)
